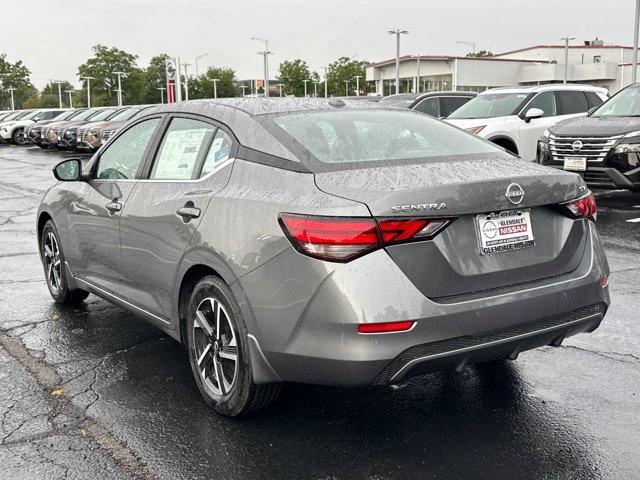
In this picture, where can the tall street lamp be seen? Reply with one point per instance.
(305, 87)
(11, 90)
(325, 80)
(471, 44)
(280, 87)
(566, 39)
(119, 74)
(346, 87)
(315, 89)
(635, 44)
(70, 92)
(265, 53)
(358, 77)
(397, 32)
(59, 82)
(186, 81)
(88, 79)
(198, 58)
(215, 87)
(162, 90)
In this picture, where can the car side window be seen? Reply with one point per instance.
(123, 156)
(572, 102)
(594, 99)
(545, 101)
(449, 105)
(219, 151)
(430, 106)
(183, 146)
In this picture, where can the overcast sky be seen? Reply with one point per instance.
(53, 37)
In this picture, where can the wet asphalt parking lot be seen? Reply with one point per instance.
(93, 392)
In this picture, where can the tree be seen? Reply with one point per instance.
(480, 54)
(14, 75)
(292, 76)
(345, 69)
(202, 85)
(155, 78)
(49, 95)
(102, 66)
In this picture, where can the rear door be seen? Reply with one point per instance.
(166, 206)
(531, 130)
(430, 106)
(95, 214)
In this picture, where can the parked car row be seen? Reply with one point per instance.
(83, 129)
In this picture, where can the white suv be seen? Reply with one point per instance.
(515, 117)
(13, 130)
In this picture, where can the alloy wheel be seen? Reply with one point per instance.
(53, 263)
(215, 346)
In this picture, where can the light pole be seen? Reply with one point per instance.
(215, 87)
(418, 82)
(11, 90)
(315, 89)
(265, 53)
(280, 87)
(325, 81)
(162, 89)
(358, 77)
(69, 92)
(635, 43)
(59, 82)
(471, 44)
(244, 87)
(566, 39)
(119, 90)
(186, 81)
(198, 58)
(397, 32)
(305, 87)
(88, 79)
(346, 87)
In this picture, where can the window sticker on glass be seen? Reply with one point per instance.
(179, 153)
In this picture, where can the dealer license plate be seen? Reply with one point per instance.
(576, 164)
(504, 231)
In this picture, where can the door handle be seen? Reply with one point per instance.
(187, 213)
(113, 207)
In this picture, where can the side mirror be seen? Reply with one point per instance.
(68, 170)
(591, 110)
(533, 113)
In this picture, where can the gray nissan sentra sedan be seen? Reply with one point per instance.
(323, 241)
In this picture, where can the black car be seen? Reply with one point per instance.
(436, 104)
(603, 147)
(34, 133)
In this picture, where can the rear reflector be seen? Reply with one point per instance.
(583, 207)
(340, 239)
(386, 327)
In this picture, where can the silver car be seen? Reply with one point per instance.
(323, 241)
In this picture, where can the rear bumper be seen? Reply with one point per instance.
(306, 327)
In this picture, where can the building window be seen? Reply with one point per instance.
(434, 83)
(597, 58)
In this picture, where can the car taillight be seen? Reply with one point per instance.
(340, 239)
(583, 207)
(386, 327)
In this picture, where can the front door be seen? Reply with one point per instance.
(96, 212)
(165, 208)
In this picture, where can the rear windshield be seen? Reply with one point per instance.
(400, 101)
(347, 136)
(491, 105)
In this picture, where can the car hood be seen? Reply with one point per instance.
(476, 122)
(465, 184)
(596, 126)
(9, 123)
(73, 123)
(90, 125)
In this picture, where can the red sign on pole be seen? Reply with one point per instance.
(171, 72)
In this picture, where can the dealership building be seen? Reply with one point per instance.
(608, 66)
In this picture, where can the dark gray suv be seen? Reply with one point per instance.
(323, 241)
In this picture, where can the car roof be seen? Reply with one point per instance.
(544, 88)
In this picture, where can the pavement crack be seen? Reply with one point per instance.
(619, 357)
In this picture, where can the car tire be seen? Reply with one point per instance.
(55, 269)
(17, 137)
(215, 332)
